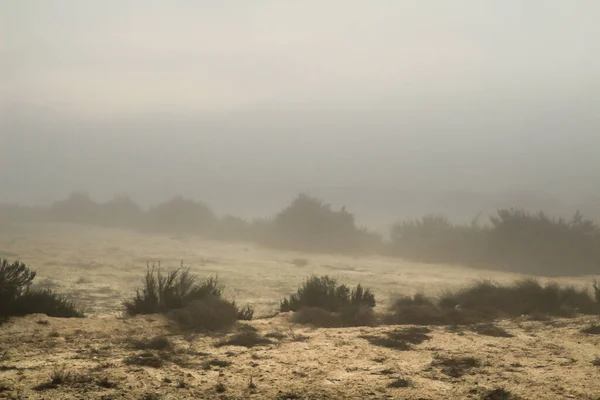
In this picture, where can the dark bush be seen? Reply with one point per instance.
(155, 343)
(162, 293)
(317, 317)
(46, 301)
(192, 303)
(146, 359)
(499, 394)
(358, 315)
(208, 314)
(121, 211)
(15, 278)
(524, 297)
(245, 313)
(78, 208)
(399, 339)
(245, 338)
(456, 367)
(489, 329)
(18, 298)
(485, 301)
(234, 228)
(181, 215)
(433, 239)
(592, 330)
(308, 224)
(425, 315)
(321, 301)
(514, 240)
(324, 292)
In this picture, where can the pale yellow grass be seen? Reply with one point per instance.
(100, 267)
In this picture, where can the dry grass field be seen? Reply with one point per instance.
(100, 357)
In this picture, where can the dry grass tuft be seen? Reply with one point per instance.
(456, 367)
(491, 330)
(400, 339)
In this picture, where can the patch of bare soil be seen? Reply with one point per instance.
(141, 358)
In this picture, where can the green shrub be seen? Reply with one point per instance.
(317, 317)
(324, 292)
(246, 337)
(47, 302)
(162, 293)
(15, 278)
(358, 315)
(245, 313)
(208, 314)
(499, 394)
(192, 303)
(18, 298)
(321, 301)
(523, 297)
(484, 301)
(155, 343)
(399, 339)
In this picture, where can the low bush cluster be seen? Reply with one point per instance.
(486, 300)
(321, 301)
(514, 240)
(192, 303)
(18, 297)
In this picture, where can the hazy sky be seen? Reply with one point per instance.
(155, 98)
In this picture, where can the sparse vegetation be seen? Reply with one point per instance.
(321, 301)
(156, 343)
(145, 359)
(524, 297)
(514, 240)
(151, 396)
(18, 298)
(489, 329)
(246, 337)
(316, 317)
(220, 388)
(499, 394)
(299, 262)
(245, 313)
(208, 364)
(400, 383)
(60, 376)
(308, 224)
(399, 339)
(209, 314)
(593, 329)
(485, 300)
(192, 303)
(106, 383)
(456, 367)
(163, 293)
(180, 215)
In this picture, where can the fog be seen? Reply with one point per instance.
(391, 108)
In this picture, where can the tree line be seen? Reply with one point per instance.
(512, 240)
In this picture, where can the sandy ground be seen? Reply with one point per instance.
(100, 267)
